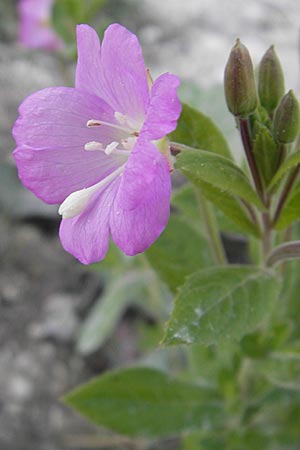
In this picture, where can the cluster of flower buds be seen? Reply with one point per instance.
(243, 98)
(261, 106)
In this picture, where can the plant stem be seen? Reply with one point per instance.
(284, 195)
(211, 228)
(251, 212)
(267, 230)
(288, 250)
(246, 139)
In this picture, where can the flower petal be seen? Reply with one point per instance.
(142, 204)
(116, 72)
(89, 60)
(140, 172)
(86, 236)
(164, 108)
(58, 116)
(51, 133)
(53, 174)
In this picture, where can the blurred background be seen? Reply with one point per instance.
(47, 299)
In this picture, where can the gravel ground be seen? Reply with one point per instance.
(44, 293)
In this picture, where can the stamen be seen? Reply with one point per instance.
(76, 202)
(93, 123)
(111, 147)
(97, 123)
(93, 145)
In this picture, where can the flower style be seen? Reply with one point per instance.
(34, 25)
(99, 149)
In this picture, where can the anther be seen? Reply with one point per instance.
(111, 147)
(93, 123)
(93, 145)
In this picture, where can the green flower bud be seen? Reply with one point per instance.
(286, 120)
(270, 80)
(239, 83)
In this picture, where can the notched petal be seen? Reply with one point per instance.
(164, 109)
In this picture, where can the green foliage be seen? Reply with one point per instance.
(180, 251)
(266, 154)
(197, 130)
(292, 161)
(232, 208)
(291, 289)
(143, 401)
(290, 212)
(230, 214)
(282, 368)
(260, 343)
(220, 172)
(221, 303)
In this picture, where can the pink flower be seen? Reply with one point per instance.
(34, 25)
(100, 148)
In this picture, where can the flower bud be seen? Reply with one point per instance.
(270, 80)
(240, 90)
(286, 120)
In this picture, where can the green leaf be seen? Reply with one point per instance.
(236, 220)
(290, 293)
(178, 252)
(291, 162)
(145, 402)
(106, 313)
(260, 343)
(221, 303)
(266, 154)
(280, 415)
(231, 208)
(290, 212)
(197, 130)
(201, 166)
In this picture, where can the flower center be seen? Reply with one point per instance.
(120, 147)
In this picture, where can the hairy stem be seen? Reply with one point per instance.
(246, 139)
(267, 230)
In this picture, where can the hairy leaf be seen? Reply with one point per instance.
(221, 303)
(145, 402)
